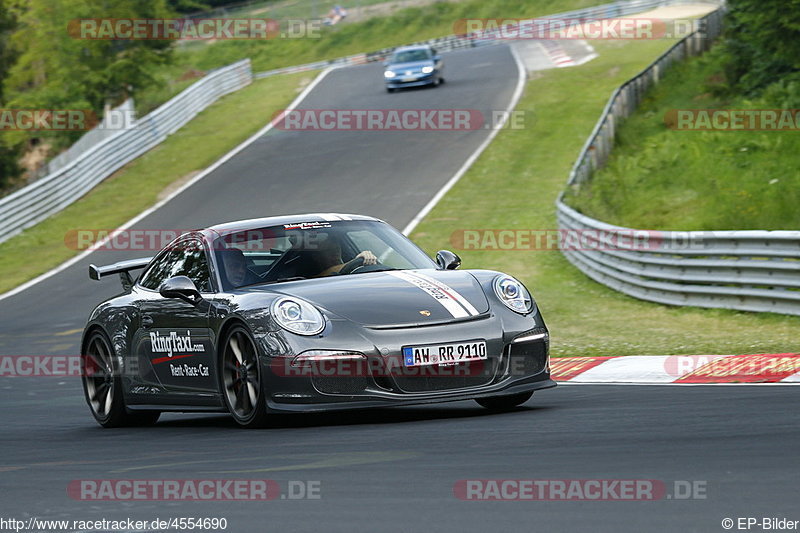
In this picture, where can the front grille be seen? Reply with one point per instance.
(340, 384)
(437, 378)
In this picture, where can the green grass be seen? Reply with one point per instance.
(299, 9)
(514, 185)
(138, 185)
(659, 178)
(405, 26)
(402, 27)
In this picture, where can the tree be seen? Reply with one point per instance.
(56, 69)
(762, 42)
(8, 155)
(51, 67)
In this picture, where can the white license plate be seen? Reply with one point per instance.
(410, 78)
(444, 354)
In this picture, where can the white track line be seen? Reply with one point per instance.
(522, 75)
(63, 266)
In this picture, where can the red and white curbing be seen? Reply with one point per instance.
(678, 369)
(557, 54)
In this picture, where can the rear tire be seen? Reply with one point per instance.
(503, 403)
(102, 387)
(241, 381)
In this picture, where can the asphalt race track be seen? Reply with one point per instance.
(388, 469)
(390, 175)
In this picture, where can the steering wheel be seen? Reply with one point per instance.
(348, 268)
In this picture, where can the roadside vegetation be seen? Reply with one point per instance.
(42, 66)
(671, 179)
(141, 183)
(403, 27)
(514, 185)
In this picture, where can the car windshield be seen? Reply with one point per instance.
(313, 249)
(408, 56)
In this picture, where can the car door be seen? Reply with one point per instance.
(174, 337)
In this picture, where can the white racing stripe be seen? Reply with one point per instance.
(330, 217)
(446, 296)
(460, 299)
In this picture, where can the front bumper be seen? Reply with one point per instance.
(510, 367)
(332, 404)
(420, 80)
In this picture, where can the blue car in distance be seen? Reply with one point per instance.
(413, 66)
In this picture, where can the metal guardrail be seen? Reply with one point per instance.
(113, 120)
(54, 192)
(742, 270)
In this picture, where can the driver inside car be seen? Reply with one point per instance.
(329, 258)
(234, 265)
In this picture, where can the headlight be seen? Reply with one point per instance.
(297, 316)
(388, 74)
(513, 294)
(427, 70)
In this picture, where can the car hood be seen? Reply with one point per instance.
(396, 298)
(413, 65)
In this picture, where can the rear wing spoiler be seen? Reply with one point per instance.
(122, 268)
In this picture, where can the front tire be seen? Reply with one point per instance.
(102, 387)
(504, 403)
(242, 385)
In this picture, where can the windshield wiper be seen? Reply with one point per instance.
(282, 280)
(279, 280)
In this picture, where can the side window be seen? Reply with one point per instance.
(194, 265)
(188, 259)
(159, 270)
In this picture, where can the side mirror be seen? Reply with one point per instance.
(437, 58)
(447, 260)
(180, 287)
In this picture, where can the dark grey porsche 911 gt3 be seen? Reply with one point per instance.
(307, 313)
